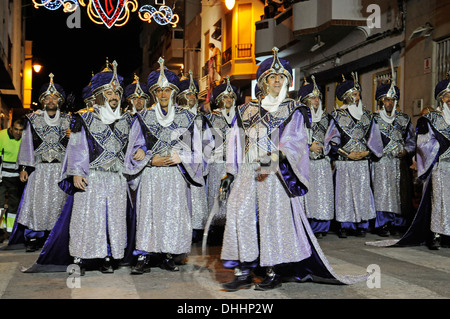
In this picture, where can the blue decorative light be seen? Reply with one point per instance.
(69, 5)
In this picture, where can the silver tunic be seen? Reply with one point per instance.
(163, 222)
(386, 173)
(43, 200)
(354, 199)
(440, 209)
(282, 235)
(319, 201)
(99, 216)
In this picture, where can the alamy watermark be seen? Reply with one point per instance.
(74, 279)
(374, 19)
(374, 278)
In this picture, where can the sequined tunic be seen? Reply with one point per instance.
(42, 147)
(319, 201)
(164, 223)
(388, 174)
(261, 221)
(217, 168)
(96, 151)
(199, 201)
(433, 156)
(354, 200)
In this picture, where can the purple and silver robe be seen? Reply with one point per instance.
(98, 223)
(354, 202)
(319, 201)
(220, 128)
(266, 221)
(391, 178)
(433, 158)
(41, 152)
(433, 169)
(163, 219)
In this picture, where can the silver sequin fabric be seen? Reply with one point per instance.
(319, 201)
(440, 211)
(262, 208)
(163, 221)
(216, 172)
(353, 194)
(43, 200)
(386, 185)
(199, 207)
(99, 217)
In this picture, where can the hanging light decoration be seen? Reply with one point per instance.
(163, 16)
(104, 12)
(68, 5)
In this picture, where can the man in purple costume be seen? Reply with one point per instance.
(319, 201)
(431, 224)
(392, 178)
(353, 137)
(187, 99)
(92, 172)
(165, 154)
(41, 152)
(267, 172)
(136, 97)
(224, 99)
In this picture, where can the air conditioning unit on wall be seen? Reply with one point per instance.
(417, 106)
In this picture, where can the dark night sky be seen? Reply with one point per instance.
(73, 54)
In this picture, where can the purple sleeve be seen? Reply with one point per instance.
(136, 140)
(76, 158)
(294, 145)
(375, 141)
(410, 140)
(427, 151)
(26, 150)
(76, 161)
(332, 139)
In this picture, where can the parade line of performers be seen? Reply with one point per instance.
(112, 186)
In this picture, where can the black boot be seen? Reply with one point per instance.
(271, 281)
(107, 267)
(31, 245)
(78, 261)
(383, 231)
(435, 243)
(168, 263)
(342, 233)
(240, 281)
(141, 266)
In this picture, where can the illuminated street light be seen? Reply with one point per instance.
(230, 4)
(37, 67)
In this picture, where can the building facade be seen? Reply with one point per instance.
(15, 62)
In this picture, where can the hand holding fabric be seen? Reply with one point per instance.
(80, 182)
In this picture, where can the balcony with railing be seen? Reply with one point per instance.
(274, 32)
(303, 20)
(239, 64)
(174, 48)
